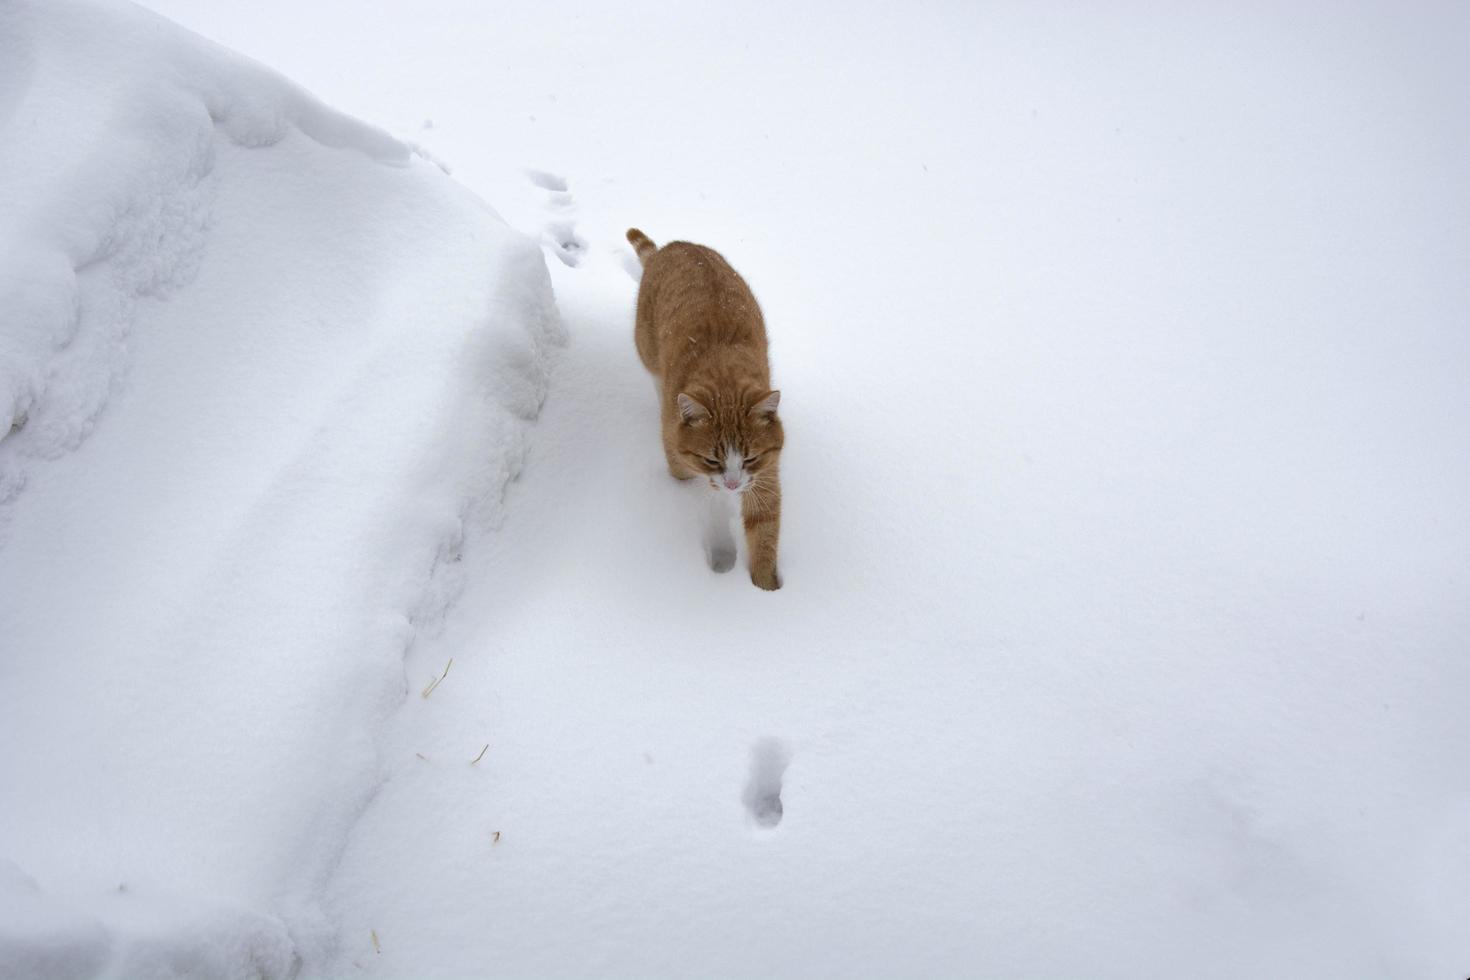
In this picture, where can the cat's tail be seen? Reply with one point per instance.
(642, 244)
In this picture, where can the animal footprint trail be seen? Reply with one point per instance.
(567, 244)
(768, 761)
(561, 232)
(547, 181)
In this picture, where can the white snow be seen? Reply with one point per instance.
(1126, 554)
(271, 369)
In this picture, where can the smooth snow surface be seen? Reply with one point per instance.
(1126, 626)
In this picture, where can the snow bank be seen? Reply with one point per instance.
(109, 166)
(260, 370)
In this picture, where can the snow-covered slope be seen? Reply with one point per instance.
(261, 368)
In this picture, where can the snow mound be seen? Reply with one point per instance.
(262, 370)
(110, 205)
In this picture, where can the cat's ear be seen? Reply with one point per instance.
(691, 411)
(766, 407)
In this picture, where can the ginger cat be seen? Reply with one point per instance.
(701, 334)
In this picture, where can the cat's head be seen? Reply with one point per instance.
(729, 441)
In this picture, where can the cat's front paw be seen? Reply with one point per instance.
(766, 578)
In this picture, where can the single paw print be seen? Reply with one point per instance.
(722, 557)
(769, 758)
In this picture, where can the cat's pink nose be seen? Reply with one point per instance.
(732, 484)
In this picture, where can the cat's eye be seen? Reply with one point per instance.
(711, 462)
(750, 460)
